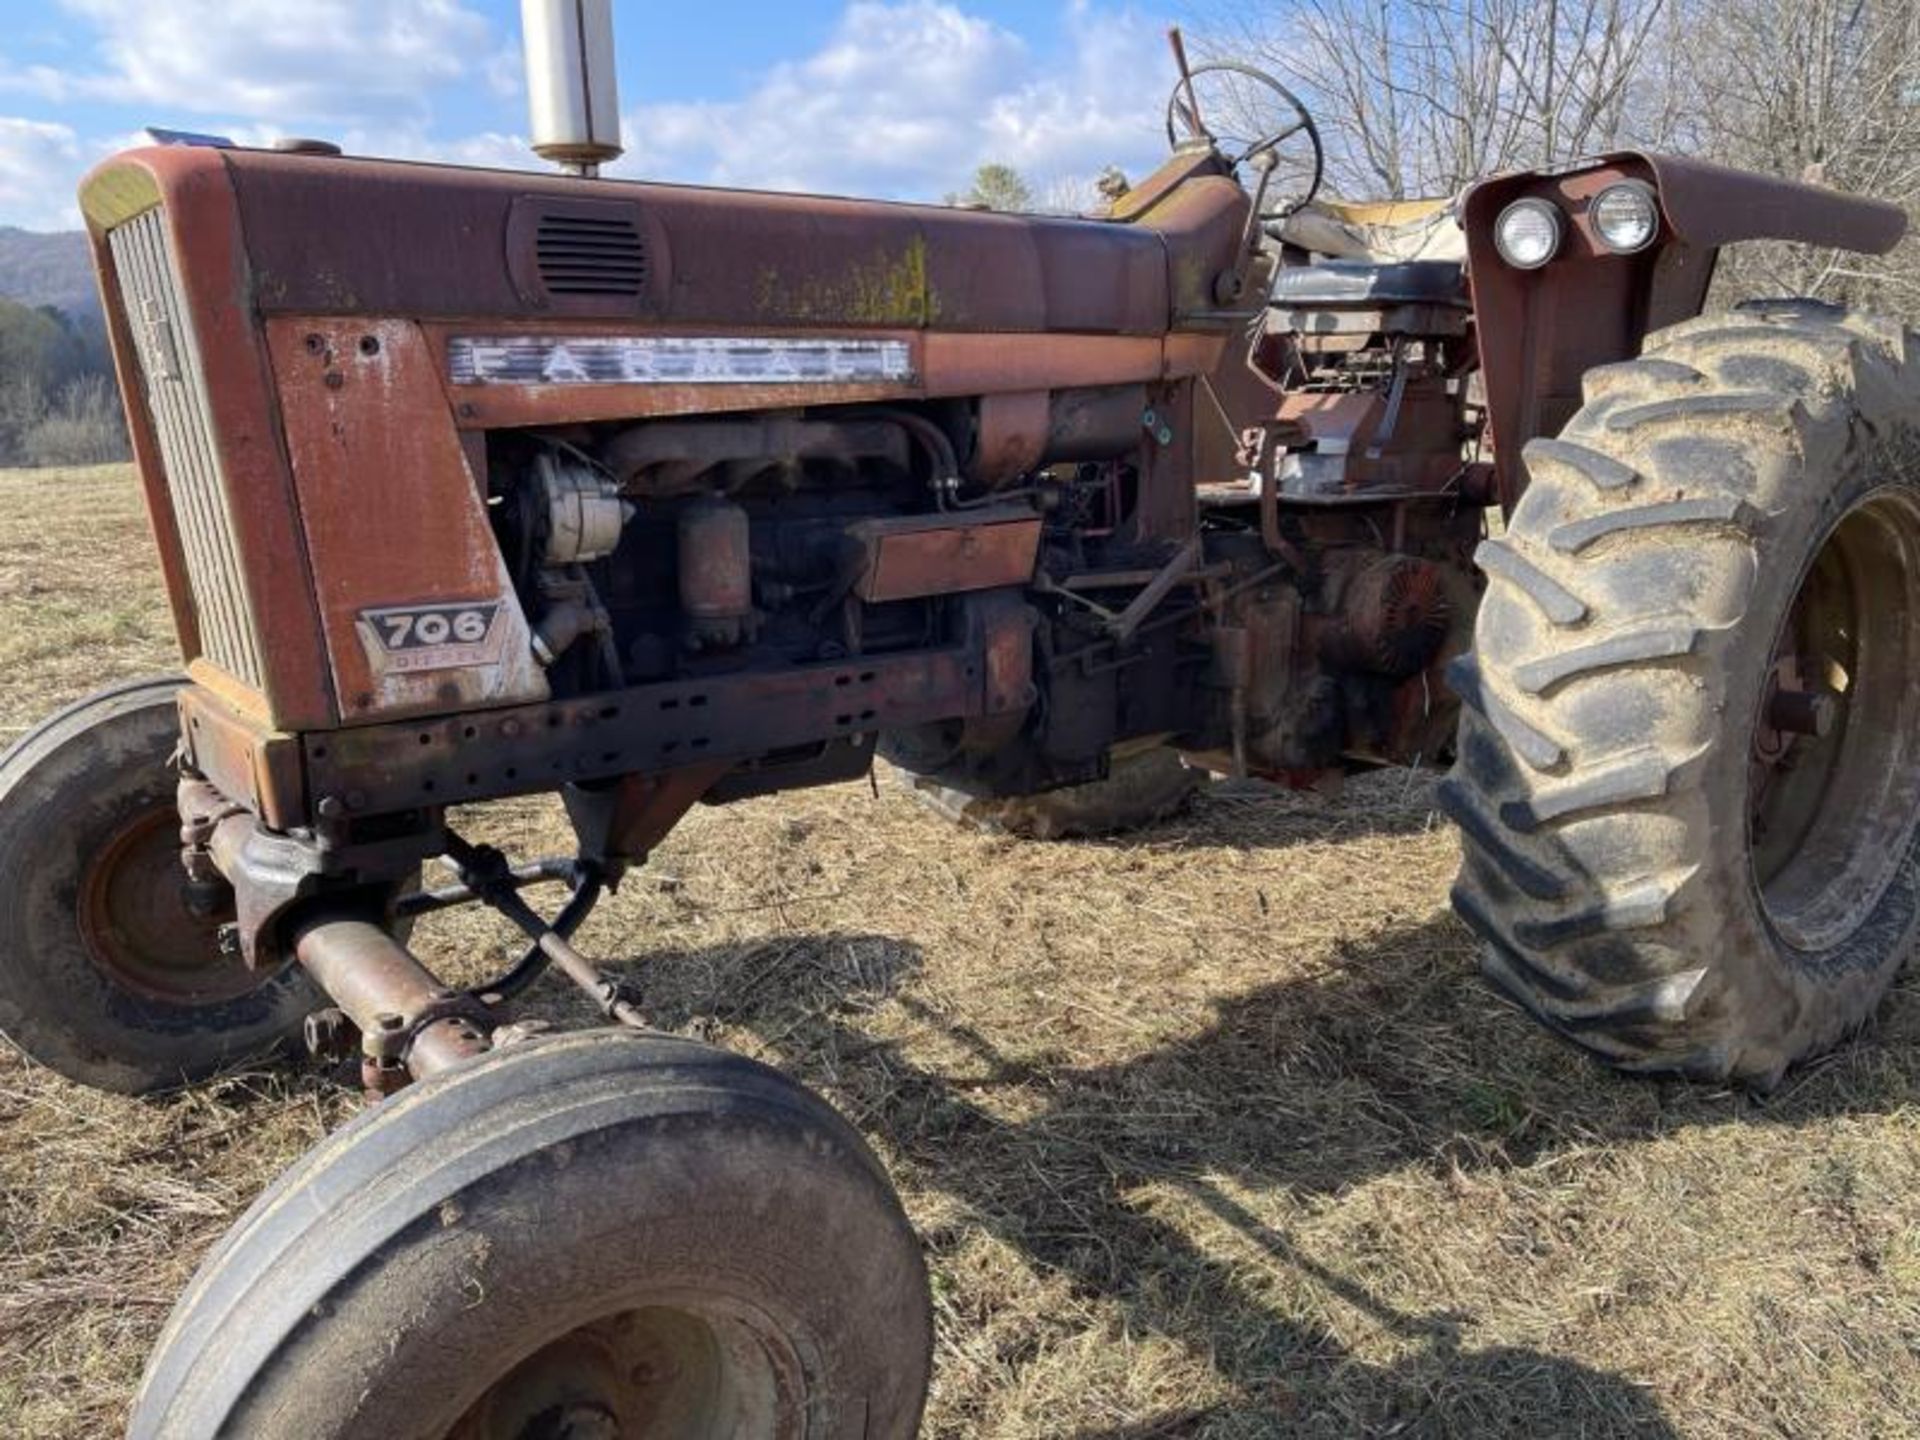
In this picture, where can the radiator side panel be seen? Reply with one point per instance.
(175, 384)
(178, 288)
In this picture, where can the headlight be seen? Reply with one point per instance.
(1527, 234)
(1626, 216)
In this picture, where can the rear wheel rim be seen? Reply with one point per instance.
(1831, 816)
(138, 928)
(684, 1370)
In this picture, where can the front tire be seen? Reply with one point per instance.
(1671, 864)
(105, 973)
(606, 1233)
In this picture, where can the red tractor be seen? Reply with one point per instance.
(471, 485)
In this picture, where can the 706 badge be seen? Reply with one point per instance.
(411, 638)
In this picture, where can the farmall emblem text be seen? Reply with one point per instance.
(412, 638)
(676, 360)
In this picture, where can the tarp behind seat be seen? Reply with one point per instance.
(1386, 232)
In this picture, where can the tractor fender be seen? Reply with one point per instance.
(1540, 331)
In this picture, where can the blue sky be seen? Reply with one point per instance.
(895, 98)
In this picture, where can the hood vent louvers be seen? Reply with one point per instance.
(584, 257)
(589, 255)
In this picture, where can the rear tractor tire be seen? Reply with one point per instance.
(602, 1234)
(106, 974)
(1143, 787)
(1689, 771)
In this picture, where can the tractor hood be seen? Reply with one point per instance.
(325, 234)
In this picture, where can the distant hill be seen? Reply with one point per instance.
(48, 269)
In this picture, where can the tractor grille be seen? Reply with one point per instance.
(176, 391)
(591, 255)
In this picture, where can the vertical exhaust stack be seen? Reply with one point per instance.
(573, 98)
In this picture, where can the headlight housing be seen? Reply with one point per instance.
(1528, 233)
(1626, 216)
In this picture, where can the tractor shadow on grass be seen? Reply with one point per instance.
(1135, 1178)
(1259, 815)
(1393, 1057)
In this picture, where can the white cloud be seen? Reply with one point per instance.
(281, 60)
(906, 99)
(362, 72)
(506, 71)
(39, 165)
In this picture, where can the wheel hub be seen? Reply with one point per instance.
(140, 927)
(575, 1422)
(1833, 794)
(660, 1372)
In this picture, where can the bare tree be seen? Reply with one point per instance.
(1425, 96)
(1821, 90)
(1421, 97)
(81, 426)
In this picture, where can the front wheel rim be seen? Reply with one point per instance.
(1834, 788)
(136, 924)
(678, 1370)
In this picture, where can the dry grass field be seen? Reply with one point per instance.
(1208, 1133)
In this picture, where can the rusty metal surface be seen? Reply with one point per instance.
(1204, 222)
(946, 555)
(1102, 423)
(393, 518)
(1178, 169)
(945, 364)
(1165, 512)
(1189, 354)
(544, 230)
(1000, 631)
(217, 287)
(1421, 455)
(1233, 400)
(1060, 329)
(655, 728)
(667, 457)
(715, 547)
(736, 258)
(497, 406)
(169, 371)
(1541, 330)
(405, 1014)
(960, 364)
(1395, 616)
(1711, 206)
(246, 760)
(647, 807)
(146, 454)
(1011, 436)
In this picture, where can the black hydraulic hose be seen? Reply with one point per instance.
(484, 874)
(532, 965)
(933, 439)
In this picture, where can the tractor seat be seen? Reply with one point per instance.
(1359, 284)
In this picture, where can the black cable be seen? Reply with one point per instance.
(485, 872)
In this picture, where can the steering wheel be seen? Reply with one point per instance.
(1249, 117)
